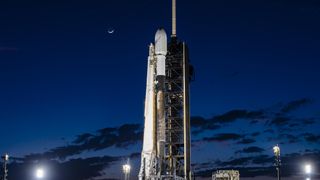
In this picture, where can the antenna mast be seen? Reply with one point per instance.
(174, 18)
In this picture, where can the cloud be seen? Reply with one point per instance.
(197, 121)
(289, 138)
(250, 160)
(83, 138)
(309, 121)
(251, 149)
(294, 125)
(246, 141)
(236, 162)
(200, 124)
(238, 114)
(255, 134)
(269, 116)
(245, 161)
(282, 120)
(274, 121)
(223, 137)
(285, 138)
(8, 49)
(269, 131)
(311, 138)
(294, 105)
(120, 137)
(278, 121)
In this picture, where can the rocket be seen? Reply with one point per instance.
(166, 141)
(154, 113)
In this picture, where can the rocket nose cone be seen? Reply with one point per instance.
(161, 32)
(161, 42)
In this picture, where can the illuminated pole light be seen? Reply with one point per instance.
(5, 164)
(126, 170)
(40, 173)
(6, 157)
(308, 169)
(276, 151)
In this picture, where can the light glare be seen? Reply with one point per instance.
(308, 168)
(276, 150)
(126, 168)
(6, 157)
(39, 173)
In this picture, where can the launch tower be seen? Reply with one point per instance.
(166, 143)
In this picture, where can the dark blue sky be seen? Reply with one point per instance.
(62, 74)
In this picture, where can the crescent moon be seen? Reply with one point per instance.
(110, 31)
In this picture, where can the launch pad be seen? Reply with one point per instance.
(166, 144)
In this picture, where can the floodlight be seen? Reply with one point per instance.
(276, 150)
(126, 168)
(308, 168)
(39, 173)
(6, 157)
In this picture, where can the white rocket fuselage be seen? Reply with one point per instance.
(149, 108)
(148, 151)
(154, 122)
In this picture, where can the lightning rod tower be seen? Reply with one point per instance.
(5, 159)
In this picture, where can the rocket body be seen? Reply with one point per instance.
(148, 152)
(149, 109)
(154, 112)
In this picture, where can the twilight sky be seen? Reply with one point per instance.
(71, 95)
